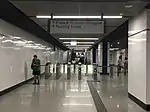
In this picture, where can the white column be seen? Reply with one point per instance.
(139, 57)
(100, 57)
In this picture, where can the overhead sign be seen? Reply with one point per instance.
(77, 27)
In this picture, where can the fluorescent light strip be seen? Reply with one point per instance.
(80, 42)
(43, 17)
(112, 17)
(78, 38)
(79, 17)
(78, 45)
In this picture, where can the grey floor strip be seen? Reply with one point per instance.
(97, 100)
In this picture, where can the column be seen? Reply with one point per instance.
(139, 59)
(95, 54)
(100, 47)
(105, 58)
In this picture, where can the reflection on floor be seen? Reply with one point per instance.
(70, 96)
(50, 96)
(114, 94)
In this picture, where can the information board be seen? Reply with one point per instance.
(77, 27)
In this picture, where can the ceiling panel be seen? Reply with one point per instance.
(46, 7)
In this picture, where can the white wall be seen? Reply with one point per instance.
(137, 67)
(15, 61)
(137, 57)
(148, 60)
(138, 23)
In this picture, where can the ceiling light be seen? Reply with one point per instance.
(80, 42)
(121, 14)
(78, 45)
(118, 42)
(78, 38)
(73, 43)
(43, 17)
(128, 6)
(77, 17)
(112, 17)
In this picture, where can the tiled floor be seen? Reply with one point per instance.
(50, 96)
(114, 94)
(70, 96)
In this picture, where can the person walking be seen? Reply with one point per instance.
(35, 66)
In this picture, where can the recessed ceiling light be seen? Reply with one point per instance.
(80, 42)
(128, 6)
(121, 14)
(78, 38)
(73, 42)
(43, 17)
(78, 45)
(77, 17)
(112, 17)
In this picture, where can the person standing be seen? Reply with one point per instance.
(125, 65)
(119, 66)
(35, 66)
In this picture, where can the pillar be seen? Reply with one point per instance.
(105, 58)
(95, 54)
(139, 59)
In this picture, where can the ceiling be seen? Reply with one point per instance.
(32, 8)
